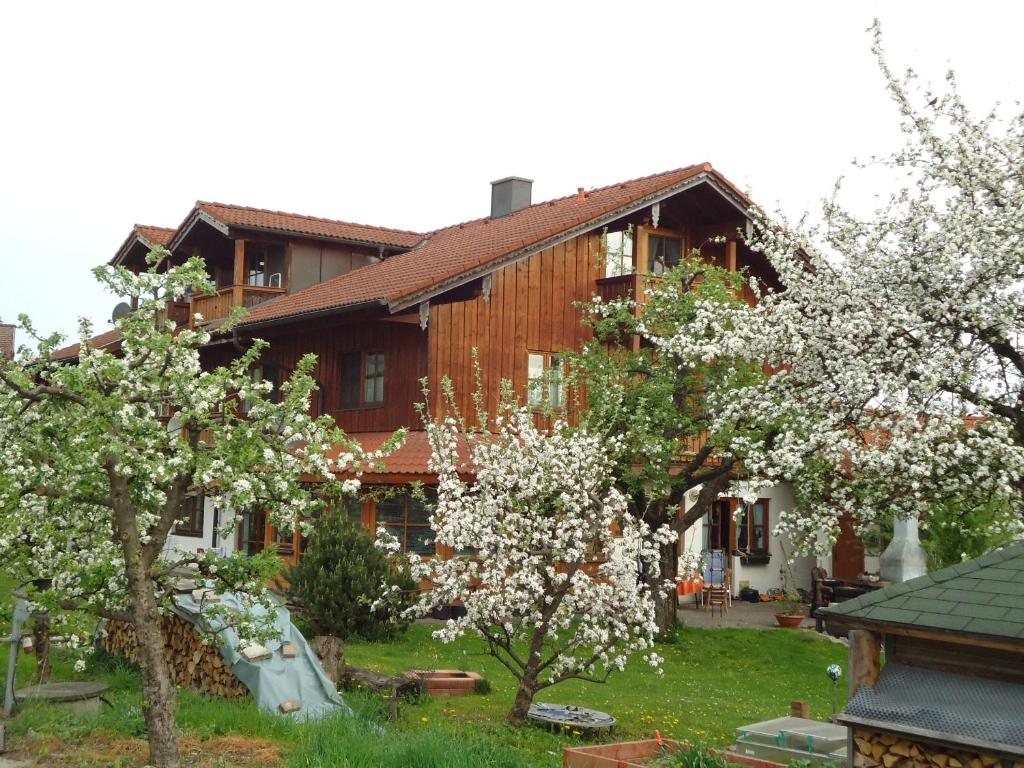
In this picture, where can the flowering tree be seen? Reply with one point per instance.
(546, 556)
(664, 406)
(92, 482)
(898, 337)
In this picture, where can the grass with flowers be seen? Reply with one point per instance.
(714, 680)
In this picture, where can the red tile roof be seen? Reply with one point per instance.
(311, 226)
(101, 341)
(450, 252)
(410, 459)
(155, 235)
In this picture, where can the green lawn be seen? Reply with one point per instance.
(714, 681)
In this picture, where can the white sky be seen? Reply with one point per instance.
(401, 114)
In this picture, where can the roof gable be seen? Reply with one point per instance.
(456, 254)
(146, 235)
(984, 596)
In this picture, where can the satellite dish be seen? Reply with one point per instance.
(120, 311)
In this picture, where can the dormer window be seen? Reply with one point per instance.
(619, 253)
(663, 252)
(264, 265)
(644, 250)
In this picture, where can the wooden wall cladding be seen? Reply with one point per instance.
(530, 309)
(405, 349)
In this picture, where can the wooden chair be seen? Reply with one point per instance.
(717, 590)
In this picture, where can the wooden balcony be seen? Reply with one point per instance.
(219, 305)
(624, 287)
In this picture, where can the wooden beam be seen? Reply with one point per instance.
(865, 658)
(730, 255)
(239, 276)
(640, 251)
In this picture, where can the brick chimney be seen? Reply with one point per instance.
(6, 341)
(509, 195)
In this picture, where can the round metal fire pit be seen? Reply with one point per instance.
(561, 716)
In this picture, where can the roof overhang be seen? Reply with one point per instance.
(235, 229)
(959, 637)
(327, 312)
(135, 238)
(196, 217)
(706, 176)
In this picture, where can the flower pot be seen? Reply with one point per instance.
(789, 620)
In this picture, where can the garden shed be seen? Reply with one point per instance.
(951, 693)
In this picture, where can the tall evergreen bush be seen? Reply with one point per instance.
(341, 575)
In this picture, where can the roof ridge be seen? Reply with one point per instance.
(552, 200)
(306, 216)
(154, 226)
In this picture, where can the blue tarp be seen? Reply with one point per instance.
(277, 679)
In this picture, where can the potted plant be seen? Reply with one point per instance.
(791, 610)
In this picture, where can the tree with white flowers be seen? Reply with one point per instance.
(663, 406)
(898, 338)
(546, 557)
(92, 481)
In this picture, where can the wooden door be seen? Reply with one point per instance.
(848, 552)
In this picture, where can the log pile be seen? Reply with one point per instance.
(883, 750)
(192, 663)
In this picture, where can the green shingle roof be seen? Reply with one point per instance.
(984, 596)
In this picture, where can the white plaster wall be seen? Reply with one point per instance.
(761, 577)
(183, 544)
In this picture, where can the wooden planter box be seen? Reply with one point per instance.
(638, 754)
(447, 682)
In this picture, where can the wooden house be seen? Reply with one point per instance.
(951, 691)
(384, 308)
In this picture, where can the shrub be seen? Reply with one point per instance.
(341, 574)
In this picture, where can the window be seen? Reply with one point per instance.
(162, 410)
(373, 378)
(264, 265)
(663, 253)
(252, 532)
(545, 376)
(362, 379)
(716, 526)
(192, 517)
(269, 373)
(618, 248)
(407, 518)
(752, 528)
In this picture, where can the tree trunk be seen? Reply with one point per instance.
(524, 697)
(41, 640)
(331, 652)
(158, 695)
(665, 602)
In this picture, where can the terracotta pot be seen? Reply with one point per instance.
(789, 620)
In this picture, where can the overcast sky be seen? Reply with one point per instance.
(401, 114)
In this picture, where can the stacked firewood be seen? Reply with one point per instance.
(193, 664)
(882, 750)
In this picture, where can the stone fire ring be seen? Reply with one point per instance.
(446, 682)
(562, 716)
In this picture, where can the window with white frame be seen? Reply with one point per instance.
(545, 379)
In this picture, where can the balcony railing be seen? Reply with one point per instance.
(219, 305)
(629, 286)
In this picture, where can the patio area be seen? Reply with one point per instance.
(740, 614)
